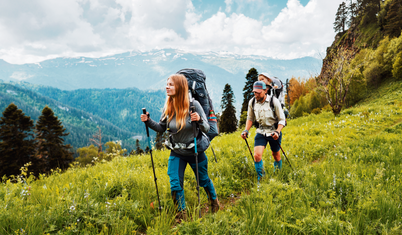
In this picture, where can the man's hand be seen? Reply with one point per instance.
(275, 135)
(244, 134)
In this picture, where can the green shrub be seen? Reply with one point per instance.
(316, 111)
(397, 67)
(394, 47)
(372, 73)
(357, 88)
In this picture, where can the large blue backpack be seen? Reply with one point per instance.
(196, 85)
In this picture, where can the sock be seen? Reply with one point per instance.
(278, 164)
(259, 167)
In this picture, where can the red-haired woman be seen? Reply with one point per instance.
(176, 119)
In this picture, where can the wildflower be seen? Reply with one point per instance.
(334, 182)
(72, 208)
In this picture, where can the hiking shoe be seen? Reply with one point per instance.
(215, 206)
(181, 216)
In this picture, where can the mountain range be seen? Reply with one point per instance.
(150, 70)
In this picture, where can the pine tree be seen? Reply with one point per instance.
(228, 121)
(369, 9)
(251, 77)
(138, 149)
(353, 11)
(394, 19)
(50, 133)
(17, 144)
(341, 18)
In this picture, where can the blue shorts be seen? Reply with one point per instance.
(262, 140)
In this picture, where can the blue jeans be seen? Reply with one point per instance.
(177, 166)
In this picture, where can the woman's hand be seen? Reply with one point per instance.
(144, 117)
(195, 117)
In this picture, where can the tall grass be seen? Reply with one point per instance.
(347, 180)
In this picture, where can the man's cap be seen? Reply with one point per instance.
(259, 85)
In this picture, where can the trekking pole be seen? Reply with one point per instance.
(285, 155)
(196, 161)
(249, 150)
(144, 111)
(214, 154)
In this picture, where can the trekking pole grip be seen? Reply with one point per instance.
(192, 108)
(144, 111)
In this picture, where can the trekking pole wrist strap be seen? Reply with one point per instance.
(277, 132)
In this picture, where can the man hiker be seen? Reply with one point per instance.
(271, 121)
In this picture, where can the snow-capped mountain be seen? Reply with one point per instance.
(149, 70)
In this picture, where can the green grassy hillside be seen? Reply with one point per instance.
(347, 180)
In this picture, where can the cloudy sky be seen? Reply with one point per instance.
(35, 30)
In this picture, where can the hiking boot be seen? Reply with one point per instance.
(181, 216)
(215, 206)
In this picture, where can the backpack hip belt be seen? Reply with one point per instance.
(172, 146)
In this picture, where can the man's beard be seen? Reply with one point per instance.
(260, 99)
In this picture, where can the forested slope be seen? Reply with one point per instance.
(122, 107)
(80, 124)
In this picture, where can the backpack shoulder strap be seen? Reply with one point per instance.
(271, 103)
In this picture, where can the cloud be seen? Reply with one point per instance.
(228, 5)
(41, 29)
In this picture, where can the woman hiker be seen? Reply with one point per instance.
(176, 119)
